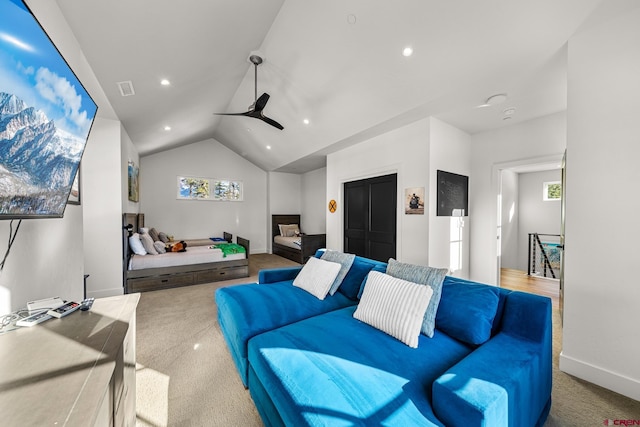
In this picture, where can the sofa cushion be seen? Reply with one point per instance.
(317, 276)
(345, 261)
(467, 310)
(251, 309)
(352, 375)
(423, 275)
(353, 283)
(394, 306)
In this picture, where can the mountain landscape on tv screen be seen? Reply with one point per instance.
(38, 161)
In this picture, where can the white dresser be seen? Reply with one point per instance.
(79, 370)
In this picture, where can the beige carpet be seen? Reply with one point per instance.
(186, 377)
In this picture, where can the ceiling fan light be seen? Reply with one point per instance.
(496, 99)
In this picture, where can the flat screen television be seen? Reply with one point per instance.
(45, 118)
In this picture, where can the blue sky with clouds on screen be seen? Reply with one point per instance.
(32, 69)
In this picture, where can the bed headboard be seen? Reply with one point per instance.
(283, 219)
(137, 221)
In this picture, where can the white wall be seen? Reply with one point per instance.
(535, 214)
(600, 334)
(403, 151)
(45, 261)
(509, 220)
(314, 202)
(284, 193)
(534, 139)
(449, 151)
(101, 199)
(199, 219)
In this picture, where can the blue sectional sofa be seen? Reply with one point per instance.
(311, 363)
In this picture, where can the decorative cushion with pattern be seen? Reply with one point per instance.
(394, 306)
(423, 275)
(345, 261)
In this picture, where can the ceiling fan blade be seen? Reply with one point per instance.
(261, 102)
(247, 113)
(271, 122)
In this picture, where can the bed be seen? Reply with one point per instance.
(200, 263)
(296, 248)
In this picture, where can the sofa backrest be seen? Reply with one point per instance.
(357, 274)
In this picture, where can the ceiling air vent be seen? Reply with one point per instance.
(126, 88)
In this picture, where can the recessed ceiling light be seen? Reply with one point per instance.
(305, 121)
(351, 19)
(407, 51)
(165, 82)
(167, 128)
(268, 147)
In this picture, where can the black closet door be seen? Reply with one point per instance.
(370, 217)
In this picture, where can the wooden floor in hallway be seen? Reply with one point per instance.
(519, 280)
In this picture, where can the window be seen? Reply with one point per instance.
(551, 191)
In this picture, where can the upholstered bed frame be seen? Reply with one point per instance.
(150, 279)
(310, 243)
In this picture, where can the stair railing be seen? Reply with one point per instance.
(535, 245)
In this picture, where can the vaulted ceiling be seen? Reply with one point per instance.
(336, 63)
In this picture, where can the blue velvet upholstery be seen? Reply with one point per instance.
(327, 368)
(250, 309)
(506, 381)
(355, 375)
(467, 311)
(245, 311)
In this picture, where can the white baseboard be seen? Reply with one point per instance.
(610, 380)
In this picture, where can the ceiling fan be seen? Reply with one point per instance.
(255, 109)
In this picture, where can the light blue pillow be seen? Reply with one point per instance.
(345, 260)
(425, 276)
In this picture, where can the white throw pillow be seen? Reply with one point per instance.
(394, 306)
(136, 244)
(316, 277)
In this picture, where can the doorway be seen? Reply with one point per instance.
(370, 217)
(511, 247)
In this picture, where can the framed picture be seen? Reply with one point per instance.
(414, 201)
(193, 188)
(453, 194)
(190, 188)
(74, 195)
(134, 185)
(227, 190)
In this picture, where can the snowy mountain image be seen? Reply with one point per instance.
(38, 161)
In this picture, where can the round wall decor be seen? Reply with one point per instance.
(333, 205)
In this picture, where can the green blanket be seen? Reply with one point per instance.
(230, 248)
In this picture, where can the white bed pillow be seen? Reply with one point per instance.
(394, 306)
(136, 244)
(317, 276)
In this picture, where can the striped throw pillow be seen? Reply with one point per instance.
(316, 277)
(432, 277)
(394, 306)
